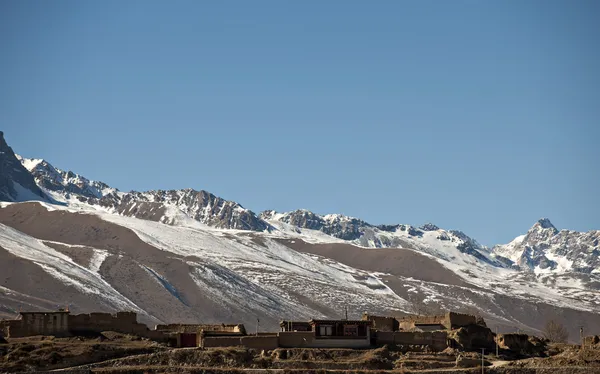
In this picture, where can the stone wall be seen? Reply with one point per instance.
(437, 340)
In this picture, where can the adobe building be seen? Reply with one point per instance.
(382, 323)
(95, 323)
(448, 321)
(194, 335)
(62, 323)
(329, 334)
(37, 323)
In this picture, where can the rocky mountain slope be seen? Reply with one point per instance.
(162, 206)
(186, 255)
(546, 249)
(16, 183)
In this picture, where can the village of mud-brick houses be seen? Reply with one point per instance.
(435, 333)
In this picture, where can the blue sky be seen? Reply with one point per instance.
(475, 115)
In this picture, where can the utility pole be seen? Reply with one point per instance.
(482, 366)
(257, 323)
(581, 336)
(346, 310)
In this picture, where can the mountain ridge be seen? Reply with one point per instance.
(537, 249)
(187, 255)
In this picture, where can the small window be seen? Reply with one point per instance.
(325, 330)
(350, 330)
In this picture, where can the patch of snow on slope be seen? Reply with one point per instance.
(563, 263)
(23, 194)
(509, 250)
(98, 255)
(97, 259)
(164, 282)
(61, 267)
(266, 272)
(310, 236)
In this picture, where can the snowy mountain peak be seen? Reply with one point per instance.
(16, 183)
(542, 230)
(56, 180)
(545, 223)
(544, 249)
(429, 227)
(29, 163)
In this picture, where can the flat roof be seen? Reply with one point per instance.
(347, 321)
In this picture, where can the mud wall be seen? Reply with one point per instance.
(408, 323)
(383, 323)
(307, 339)
(56, 324)
(340, 343)
(296, 339)
(437, 340)
(123, 322)
(180, 327)
(253, 342)
(460, 320)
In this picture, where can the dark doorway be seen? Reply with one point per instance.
(188, 340)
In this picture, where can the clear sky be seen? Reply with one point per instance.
(481, 116)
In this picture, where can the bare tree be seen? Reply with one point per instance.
(555, 332)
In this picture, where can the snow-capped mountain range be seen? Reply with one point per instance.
(274, 264)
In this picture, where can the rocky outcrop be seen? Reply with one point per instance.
(16, 183)
(336, 225)
(66, 182)
(204, 207)
(170, 206)
(167, 206)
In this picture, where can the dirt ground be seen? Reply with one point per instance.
(119, 353)
(39, 353)
(562, 355)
